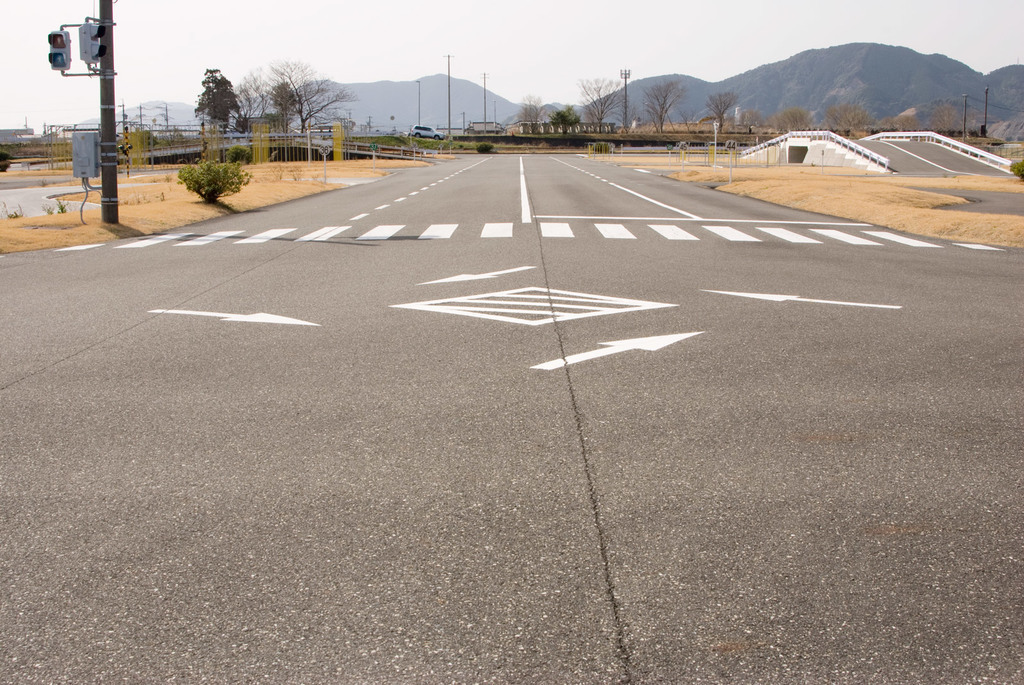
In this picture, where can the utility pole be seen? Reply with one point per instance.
(108, 122)
(624, 75)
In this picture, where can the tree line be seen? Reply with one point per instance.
(602, 100)
(287, 95)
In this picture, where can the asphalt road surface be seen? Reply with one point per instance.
(432, 458)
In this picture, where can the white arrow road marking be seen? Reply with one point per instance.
(650, 344)
(478, 277)
(797, 298)
(245, 318)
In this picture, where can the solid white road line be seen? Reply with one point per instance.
(524, 197)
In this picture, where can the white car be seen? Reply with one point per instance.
(425, 132)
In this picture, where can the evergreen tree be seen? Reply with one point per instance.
(217, 103)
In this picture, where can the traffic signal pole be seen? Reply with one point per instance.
(108, 120)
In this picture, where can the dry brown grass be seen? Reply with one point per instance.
(162, 204)
(889, 201)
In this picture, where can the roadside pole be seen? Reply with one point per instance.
(108, 122)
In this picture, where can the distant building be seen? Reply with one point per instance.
(15, 135)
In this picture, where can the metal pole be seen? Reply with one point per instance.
(108, 121)
(624, 75)
(449, 95)
(419, 100)
(485, 103)
(965, 117)
(984, 127)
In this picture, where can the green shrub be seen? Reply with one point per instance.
(210, 180)
(484, 148)
(5, 160)
(239, 154)
(1018, 169)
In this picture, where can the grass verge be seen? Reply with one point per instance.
(900, 203)
(160, 203)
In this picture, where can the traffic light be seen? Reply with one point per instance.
(60, 50)
(89, 48)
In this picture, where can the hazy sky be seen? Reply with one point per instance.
(526, 47)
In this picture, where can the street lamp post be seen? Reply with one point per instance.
(624, 75)
(419, 99)
(485, 103)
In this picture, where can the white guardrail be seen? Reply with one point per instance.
(828, 136)
(955, 145)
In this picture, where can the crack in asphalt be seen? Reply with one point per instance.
(621, 644)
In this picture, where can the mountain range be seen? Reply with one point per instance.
(886, 80)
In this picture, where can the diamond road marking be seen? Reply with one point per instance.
(533, 306)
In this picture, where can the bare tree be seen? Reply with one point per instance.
(751, 118)
(253, 95)
(946, 119)
(719, 105)
(792, 119)
(531, 111)
(660, 99)
(847, 117)
(596, 98)
(307, 96)
(903, 122)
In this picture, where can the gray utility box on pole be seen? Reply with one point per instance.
(85, 154)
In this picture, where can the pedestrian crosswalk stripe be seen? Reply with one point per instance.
(731, 234)
(844, 237)
(555, 230)
(381, 232)
(325, 233)
(155, 240)
(885, 235)
(265, 236)
(615, 231)
(207, 239)
(975, 246)
(789, 236)
(497, 231)
(672, 232)
(439, 232)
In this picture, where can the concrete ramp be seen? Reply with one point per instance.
(817, 148)
(923, 153)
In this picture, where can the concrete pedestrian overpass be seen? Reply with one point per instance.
(919, 153)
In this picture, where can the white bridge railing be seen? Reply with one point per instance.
(827, 136)
(955, 145)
